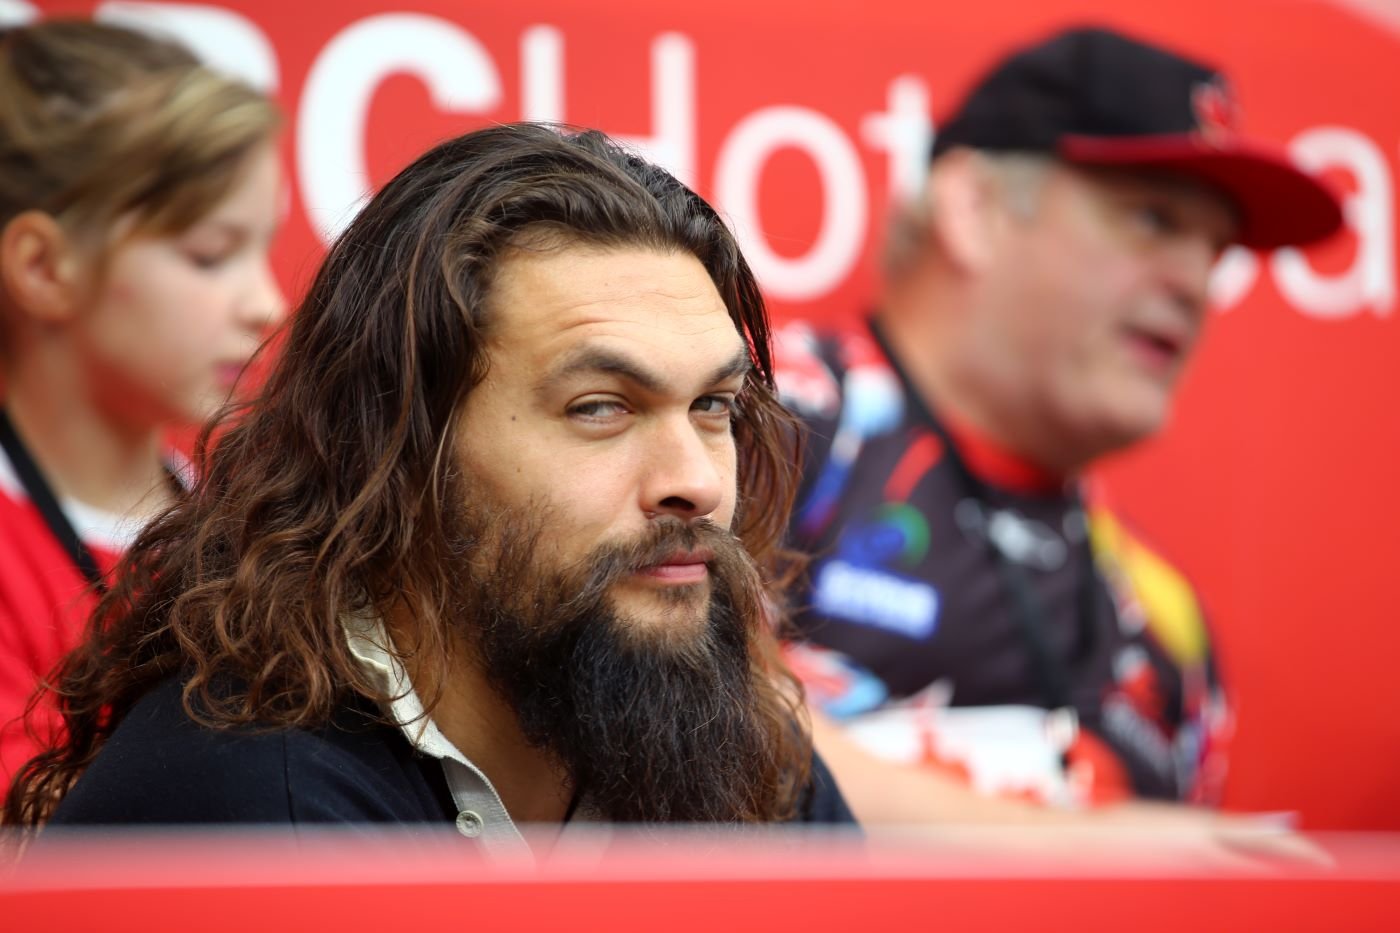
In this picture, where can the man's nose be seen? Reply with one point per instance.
(685, 473)
(1186, 267)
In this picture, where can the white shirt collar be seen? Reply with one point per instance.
(481, 814)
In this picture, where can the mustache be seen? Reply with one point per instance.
(667, 536)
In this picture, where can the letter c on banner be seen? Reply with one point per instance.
(456, 68)
(843, 227)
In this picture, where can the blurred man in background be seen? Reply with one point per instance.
(975, 615)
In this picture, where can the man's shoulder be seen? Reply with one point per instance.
(162, 767)
(822, 802)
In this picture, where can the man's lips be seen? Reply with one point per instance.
(680, 567)
(1160, 348)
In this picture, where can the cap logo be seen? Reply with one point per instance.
(1217, 116)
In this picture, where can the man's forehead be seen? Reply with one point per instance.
(550, 300)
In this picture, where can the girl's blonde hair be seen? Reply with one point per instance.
(99, 124)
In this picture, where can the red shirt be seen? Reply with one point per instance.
(44, 603)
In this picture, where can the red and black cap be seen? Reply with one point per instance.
(1095, 97)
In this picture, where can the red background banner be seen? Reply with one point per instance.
(1274, 488)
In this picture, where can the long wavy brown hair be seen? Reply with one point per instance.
(327, 494)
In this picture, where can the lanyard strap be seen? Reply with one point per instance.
(1027, 610)
(43, 498)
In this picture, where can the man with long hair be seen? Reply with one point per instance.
(498, 542)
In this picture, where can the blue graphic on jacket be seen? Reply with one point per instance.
(856, 585)
(872, 403)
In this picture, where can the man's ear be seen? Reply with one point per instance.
(962, 209)
(39, 267)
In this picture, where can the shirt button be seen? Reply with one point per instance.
(469, 823)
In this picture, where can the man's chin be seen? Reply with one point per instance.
(1145, 412)
(662, 613)
(1126, 409)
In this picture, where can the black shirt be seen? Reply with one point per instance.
(160, 767)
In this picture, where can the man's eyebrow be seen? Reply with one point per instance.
(739, 366)
(600, 360)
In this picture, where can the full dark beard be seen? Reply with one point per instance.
(656, 720)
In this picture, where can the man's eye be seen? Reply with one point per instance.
(597, 409)
(714, 405)
(1154, 219)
